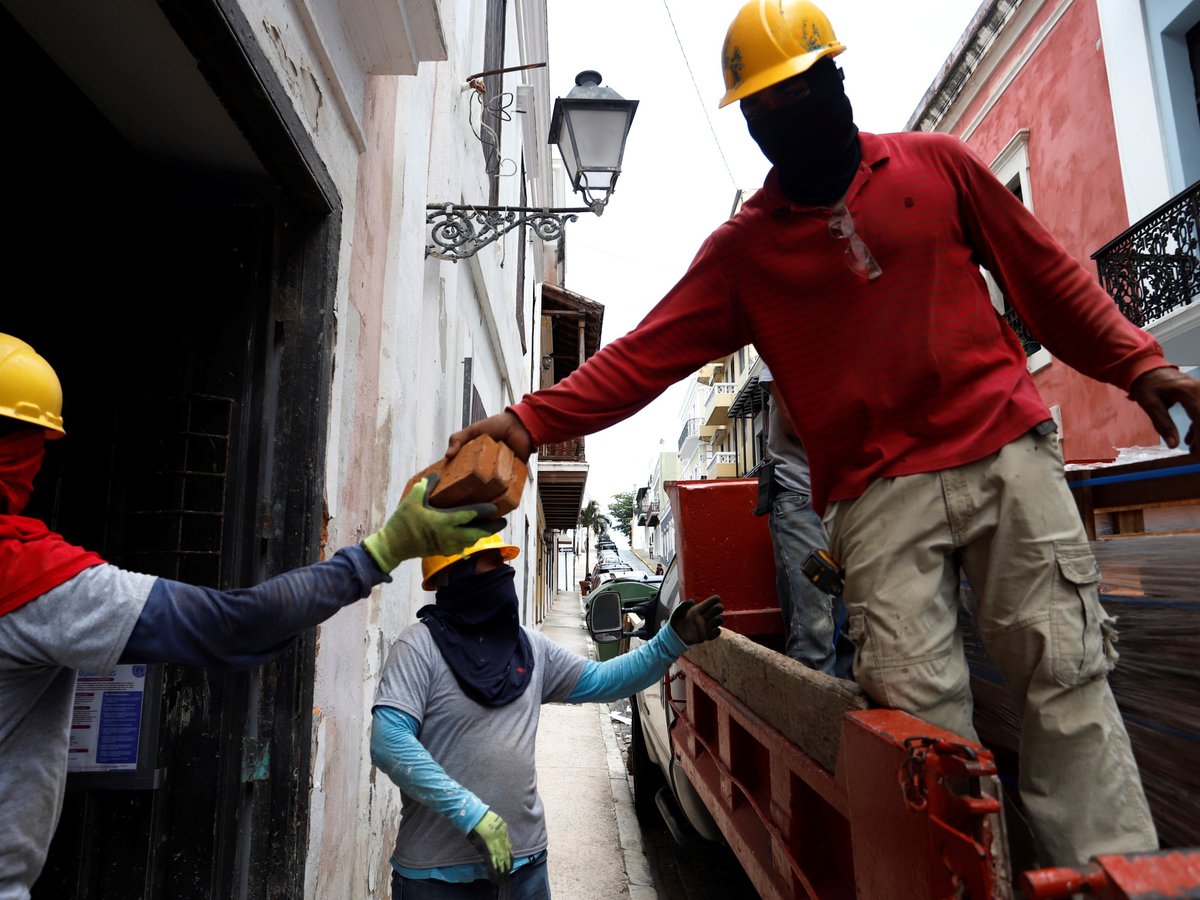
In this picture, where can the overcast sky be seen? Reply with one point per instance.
(685, 158)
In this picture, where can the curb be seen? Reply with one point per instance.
(645, 560)
(629, 832)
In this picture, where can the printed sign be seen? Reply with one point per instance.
(107, 720)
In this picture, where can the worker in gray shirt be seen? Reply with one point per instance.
(456, 717)
(64, 608)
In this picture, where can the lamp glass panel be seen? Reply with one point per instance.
(599, 136)
(597, 181)
(568, 156)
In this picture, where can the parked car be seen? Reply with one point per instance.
(612, 567)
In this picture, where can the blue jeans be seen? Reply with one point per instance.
(810, 616)
(530, 882)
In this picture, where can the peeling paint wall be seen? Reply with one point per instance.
(392, 144)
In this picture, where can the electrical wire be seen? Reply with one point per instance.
(699, 96)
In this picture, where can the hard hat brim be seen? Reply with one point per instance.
(507, 552)
(797, 65)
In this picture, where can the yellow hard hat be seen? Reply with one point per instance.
(769, 41)
(431, 565)
(29, 389)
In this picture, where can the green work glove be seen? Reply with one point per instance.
(418, 529)
(490, 838)
(695, 622)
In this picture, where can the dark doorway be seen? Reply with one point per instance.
(185, 300)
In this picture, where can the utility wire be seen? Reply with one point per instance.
(700, 97)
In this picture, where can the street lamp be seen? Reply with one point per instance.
(589, 126)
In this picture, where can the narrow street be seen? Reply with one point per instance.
(700, 871)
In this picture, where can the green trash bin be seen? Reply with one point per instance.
(632, 591)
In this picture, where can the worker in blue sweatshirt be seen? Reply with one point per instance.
(455, 718)
(63, 609)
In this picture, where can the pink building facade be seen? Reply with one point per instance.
(1028, 89)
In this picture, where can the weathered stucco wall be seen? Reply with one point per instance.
(404, 325)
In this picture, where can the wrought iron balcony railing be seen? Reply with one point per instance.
(565, 451)
(1028, 341)
(1150, 269)
(1153, 267)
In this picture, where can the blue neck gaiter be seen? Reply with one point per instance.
(476, 626)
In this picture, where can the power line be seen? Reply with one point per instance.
(699, 96)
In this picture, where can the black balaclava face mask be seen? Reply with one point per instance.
(476, 626)
(812, 143)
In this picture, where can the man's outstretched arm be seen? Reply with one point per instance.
(206, 627)
(698, 321)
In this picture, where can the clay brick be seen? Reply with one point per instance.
(484, 471)
(471, 476)
(511, 498)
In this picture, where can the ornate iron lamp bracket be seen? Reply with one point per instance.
(460, 232)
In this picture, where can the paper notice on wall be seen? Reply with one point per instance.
(107, 720)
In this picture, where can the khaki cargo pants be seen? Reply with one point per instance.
(1010, 520)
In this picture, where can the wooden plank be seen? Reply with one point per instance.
(803, 705)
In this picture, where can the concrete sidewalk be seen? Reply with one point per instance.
(595, 843)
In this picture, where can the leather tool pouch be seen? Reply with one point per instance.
(766, 488)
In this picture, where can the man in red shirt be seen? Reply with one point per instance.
(855, 273)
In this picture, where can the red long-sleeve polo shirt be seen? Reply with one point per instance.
(913, 371)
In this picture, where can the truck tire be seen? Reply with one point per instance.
(647, 777)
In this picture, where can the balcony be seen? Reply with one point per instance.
(708, 373)
(1151, 269)
(748, 400)
(562, 474)
(723, 465)
(649, 514)
(689, 436)
(716, 404)
(1152, 272)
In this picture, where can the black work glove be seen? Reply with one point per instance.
(695, 622)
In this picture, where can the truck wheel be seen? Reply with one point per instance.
(647, 777)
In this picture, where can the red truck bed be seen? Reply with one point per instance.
(819, 796)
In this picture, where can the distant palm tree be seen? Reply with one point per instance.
(592, 521)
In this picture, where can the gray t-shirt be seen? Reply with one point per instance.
(83, 623)
(791, 460)
(488, 750)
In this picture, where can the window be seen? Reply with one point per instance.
(1192, 39)
(1011, 166)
